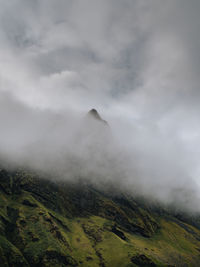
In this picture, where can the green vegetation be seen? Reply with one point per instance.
(47, 224)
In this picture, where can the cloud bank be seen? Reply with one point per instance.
(137, 62)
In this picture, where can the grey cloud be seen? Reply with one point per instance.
(135, 61)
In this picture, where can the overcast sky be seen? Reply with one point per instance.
(136, 61)
(136, 57)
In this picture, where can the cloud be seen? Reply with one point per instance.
(137, 62)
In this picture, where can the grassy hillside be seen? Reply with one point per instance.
(48, 224)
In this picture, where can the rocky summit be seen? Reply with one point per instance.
(93, 113)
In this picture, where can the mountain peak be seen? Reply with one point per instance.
(94, 114)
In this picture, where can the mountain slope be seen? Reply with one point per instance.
(43, 223)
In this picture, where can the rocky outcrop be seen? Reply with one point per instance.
(95, 115)
(143, 261)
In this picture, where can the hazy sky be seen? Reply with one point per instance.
(136, 61)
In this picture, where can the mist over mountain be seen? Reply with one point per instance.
(71, 146)
(76, 194)
(135, 62)
(99, 133)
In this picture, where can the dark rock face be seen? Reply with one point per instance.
(6, 182)
(118, 233)
(26, 202)
(94, 114)
(142, 260)
(53, 257)
(94, 233)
